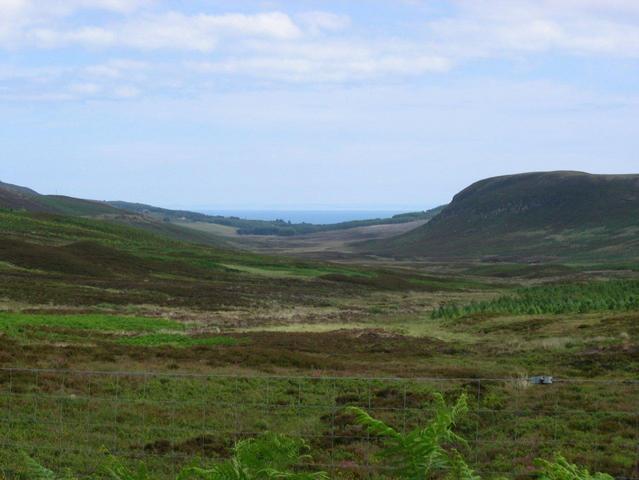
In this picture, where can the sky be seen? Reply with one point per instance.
(301, 104)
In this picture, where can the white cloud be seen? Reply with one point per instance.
(173, 31)
(47, 8)
(310, 47)
(274, 24)
(126, 91)
(11, 12)
(500, 27)
(600, 6)
(117, 68)
(122, 6)
(19, 17)
(317, 22)
(85, 89)
(327, 61)
(306, 70)
(112, 79)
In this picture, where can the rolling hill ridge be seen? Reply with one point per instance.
(15, 197)
(23, 199)
(531, 216)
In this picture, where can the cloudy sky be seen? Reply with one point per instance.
(312, 104)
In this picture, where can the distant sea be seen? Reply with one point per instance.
(317, 217)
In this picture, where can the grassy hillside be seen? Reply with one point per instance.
(20, 198)
(543, 215)
(46, 258)
(16, 198)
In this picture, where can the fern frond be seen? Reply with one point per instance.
(459, 469)
(274, 474)
(562, 469)
(117, 471)
(372, 425)
(417, 455)
(270, 456)
(272, 451)
(460, 408)
(35, 471)
(229, 470)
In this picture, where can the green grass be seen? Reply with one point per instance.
(16, 322)
(81, 329)
(176, 340)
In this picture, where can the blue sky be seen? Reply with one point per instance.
(312, 104)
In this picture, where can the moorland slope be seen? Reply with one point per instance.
(64, 260)
(15, 197)
(540, 215)
(22, 199)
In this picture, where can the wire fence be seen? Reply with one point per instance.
(69, 419)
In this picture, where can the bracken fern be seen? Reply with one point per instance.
(562, 469)
(423, 452)
(35, 471)
(270, 456)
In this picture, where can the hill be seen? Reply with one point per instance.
(64, 260)
(531, 216)
(17, 198)
(78, 261)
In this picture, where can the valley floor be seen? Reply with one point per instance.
(333, 244)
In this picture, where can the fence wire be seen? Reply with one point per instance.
(70, 419)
